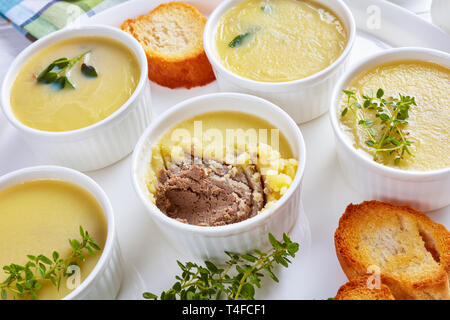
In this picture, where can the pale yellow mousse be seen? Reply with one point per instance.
(428, 122)
(47, 107)
(279, 40)
(39, 217)
(233, 138)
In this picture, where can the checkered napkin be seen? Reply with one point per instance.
(37, 18)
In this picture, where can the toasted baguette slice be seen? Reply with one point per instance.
(172, 38)
(358, 289)
(411, 251)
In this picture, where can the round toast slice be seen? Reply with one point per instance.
(360, 289)
(172, 38)
(410, 251)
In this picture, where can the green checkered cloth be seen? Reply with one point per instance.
(37, 18)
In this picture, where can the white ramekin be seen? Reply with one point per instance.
(303, 99)
(440, 11)
(211, 242)
(102, 143)
(105, 279)
(425, 191)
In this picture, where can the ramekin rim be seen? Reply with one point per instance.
(340, 135)
(40, 44)
(217, 231)
(101, 197)
(208, 35)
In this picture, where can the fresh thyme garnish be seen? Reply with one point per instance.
(392, 114)
(211, 282)
(58, 70)
(25, 281)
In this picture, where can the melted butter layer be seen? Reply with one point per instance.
(287, 39)
(428, 121)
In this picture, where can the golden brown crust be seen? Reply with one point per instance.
(187, 73)
(190, 70)
(358, 289)
(418, 285)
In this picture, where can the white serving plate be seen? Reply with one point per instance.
(150, 263)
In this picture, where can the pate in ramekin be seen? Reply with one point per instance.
(263, 48)
(244, 201)
(391, 124)
(80, 96)
(47, 189)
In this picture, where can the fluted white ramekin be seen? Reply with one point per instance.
(105, 279)
(211, 242)
(425, 191)
(303, 99)
(102, 143)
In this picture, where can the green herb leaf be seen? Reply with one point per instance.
(67, 83)
(249, 257)
(380, 93)
(370, 143)
(348, 93)
(88, 71)
(248, 291)
(356, 104)
(150, 296)
(48, 77)
(292, 248)
(366, 123)
(44, 259)
(211, 266)
(384, 117)
(43, 74)
(238, 40)
(344, 112)
(61, 63)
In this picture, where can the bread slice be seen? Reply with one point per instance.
(172, 38)
(358, 289)
(411, 251)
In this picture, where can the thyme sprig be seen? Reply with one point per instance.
(25, 281)
(58, 71)
(392, 114)
(211, 282)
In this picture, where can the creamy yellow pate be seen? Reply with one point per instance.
(39, 217)
(46, 107)
(428, 122)
(233, 138)
(279, 40)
